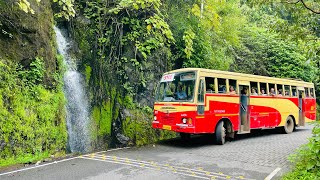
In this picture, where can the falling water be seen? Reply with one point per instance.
(77, 102)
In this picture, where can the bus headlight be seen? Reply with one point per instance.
(184, 120)
(155, 118)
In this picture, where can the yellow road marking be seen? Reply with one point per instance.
(199, 171)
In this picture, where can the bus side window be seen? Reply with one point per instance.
(279, 89)
(232, 86)
(210, 86)
(286, 90)
(201, 92)
(272, 90)
(254, 88)
(294, 91)
(312, 92)
(263, 89)
(306, 91)
(222, 88)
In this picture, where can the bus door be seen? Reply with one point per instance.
(244, 109)
(200, 118)
(301, 107)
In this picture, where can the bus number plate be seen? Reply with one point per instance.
(166, 127)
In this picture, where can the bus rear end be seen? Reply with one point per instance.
(175, 109)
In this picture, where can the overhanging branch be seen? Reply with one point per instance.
(310, 9)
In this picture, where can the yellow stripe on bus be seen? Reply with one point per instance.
(199, 116)
(284, 106)
(226, 114)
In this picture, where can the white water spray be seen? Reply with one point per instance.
(77, 102)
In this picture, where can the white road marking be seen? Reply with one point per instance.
(274, 172)
(116, 149)
(55, 162)
(33, 167)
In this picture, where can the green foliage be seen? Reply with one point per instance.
(31, 116)
(265, 53)
(35, 73)
(188, 39)
(67, 9)
(215, 30)
(138, 128)
(307, 159)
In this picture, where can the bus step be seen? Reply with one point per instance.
(243, 132)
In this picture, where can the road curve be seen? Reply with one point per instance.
(261, 155)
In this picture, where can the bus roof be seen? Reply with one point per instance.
(244, 77)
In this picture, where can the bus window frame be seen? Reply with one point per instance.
(203, 91)
(214, 88)
(307, 92)
(284, 86)
(225, 80)
(235, 87)
(313, 92)
(296, 91)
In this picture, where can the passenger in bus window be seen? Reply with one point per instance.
(263, 92)
(287, 93)
(311, 94)
(231, 90)
(280, 92)
(272, 92)
(222, 89)
(180, 93)
(210, 88)
(254, 92)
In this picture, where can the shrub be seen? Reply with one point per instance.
(307, 158)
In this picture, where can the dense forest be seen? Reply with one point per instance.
(122, 47)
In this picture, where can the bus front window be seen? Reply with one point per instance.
(177, 87)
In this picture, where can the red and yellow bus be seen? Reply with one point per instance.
(202, 101)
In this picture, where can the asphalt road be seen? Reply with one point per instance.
(253, 156)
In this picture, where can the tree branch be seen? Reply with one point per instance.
(310, 9)
(303, 3)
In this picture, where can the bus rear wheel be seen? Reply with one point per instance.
(220, 134)
(289, 125)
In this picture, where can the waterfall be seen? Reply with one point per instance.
(77, 102)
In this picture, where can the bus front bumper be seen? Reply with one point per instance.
(185, 128)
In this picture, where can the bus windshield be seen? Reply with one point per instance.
(176, 87)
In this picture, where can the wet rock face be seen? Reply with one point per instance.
(24, 36)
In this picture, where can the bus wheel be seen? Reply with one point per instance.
(220, 133)
(289, 126)
(185, 136)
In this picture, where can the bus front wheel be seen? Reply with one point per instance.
(220, 134)
(289, 125)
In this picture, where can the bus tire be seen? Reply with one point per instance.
(220, 134)
(289, 125)
(185, 136)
